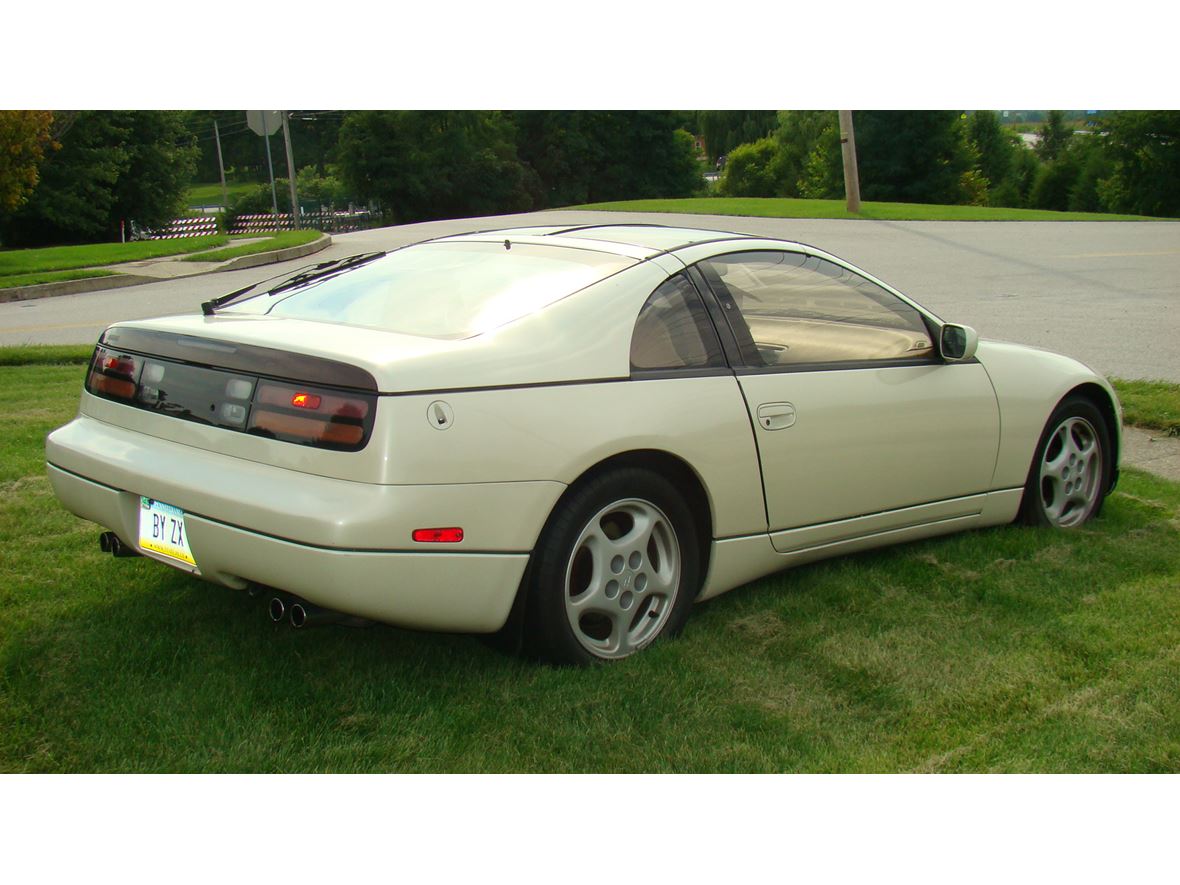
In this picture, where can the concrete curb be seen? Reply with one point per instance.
(71, 287)
(120, 280)
(278, 255)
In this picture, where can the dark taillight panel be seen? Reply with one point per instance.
(289, 411)
(311, 415)
(113, 374)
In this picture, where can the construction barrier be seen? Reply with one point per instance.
(185, 227)
(328, 222)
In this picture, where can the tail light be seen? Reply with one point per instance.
(318, 417)
(114, 374)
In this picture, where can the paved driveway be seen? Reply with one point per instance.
(1107, 293)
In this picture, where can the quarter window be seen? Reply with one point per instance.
(673, 331)
(796, 309)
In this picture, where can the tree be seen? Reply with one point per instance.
(423, 165)
(314, 137)
(596, 156)
(799, 135)
(1055, 134)
(112, 166)
(912, 156)
(725, 130)
(161, 159)
(749, 171)
(997, 152)
(25, 136)
(1143, 149)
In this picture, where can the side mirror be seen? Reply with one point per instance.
(957, 343)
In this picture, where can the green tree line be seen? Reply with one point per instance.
(1122, 161)
(81, 174)
(76, 176)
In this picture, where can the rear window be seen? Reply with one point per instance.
(445, 290)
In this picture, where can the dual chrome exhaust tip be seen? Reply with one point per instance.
(301, 613)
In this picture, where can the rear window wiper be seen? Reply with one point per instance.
(314, 272)
(320, 271)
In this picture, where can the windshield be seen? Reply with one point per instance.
(444, 289)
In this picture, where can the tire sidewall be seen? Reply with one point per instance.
(1031, 511)
(548, 630)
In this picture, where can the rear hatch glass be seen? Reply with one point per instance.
(447, 290)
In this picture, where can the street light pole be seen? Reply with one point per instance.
(848, 149)
(291, 170)
(274, 200)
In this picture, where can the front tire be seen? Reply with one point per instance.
(615, 569)
(1067, 481)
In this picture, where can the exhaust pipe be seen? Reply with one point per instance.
(306, 614)
(108, 542)
(278, 609)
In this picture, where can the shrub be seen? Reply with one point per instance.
(749, 170)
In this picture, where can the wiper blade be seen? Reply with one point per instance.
(328, 269)
(208, 307)
(314, 272)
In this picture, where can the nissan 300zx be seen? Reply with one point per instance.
(574, 431)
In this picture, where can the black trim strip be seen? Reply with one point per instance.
(527, 386)
(842, 366)
(675, 374)
(248, 359)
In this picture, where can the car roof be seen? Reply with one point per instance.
(624, 239)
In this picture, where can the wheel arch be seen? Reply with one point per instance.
(1107, 406)
(672, 468)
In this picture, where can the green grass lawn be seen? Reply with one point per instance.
(1153, 404)
(1007, 649)
(14, 262)
(781, 207)
(210, 194)
(280, 240)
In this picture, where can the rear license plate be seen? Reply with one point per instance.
(161, 530)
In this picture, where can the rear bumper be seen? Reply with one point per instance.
(342, 545)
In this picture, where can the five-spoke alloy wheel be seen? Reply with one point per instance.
(616, 569)
(1067, 482)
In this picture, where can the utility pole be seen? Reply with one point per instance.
(221, 168)
(848, 149)
(291, 170)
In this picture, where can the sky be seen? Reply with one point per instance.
(606, 54)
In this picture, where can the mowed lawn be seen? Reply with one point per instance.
(1008, 649)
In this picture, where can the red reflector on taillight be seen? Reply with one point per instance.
(120, 365)
(306, 401)
(439, 536)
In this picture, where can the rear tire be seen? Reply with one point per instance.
(615, 569)
(1067, 481)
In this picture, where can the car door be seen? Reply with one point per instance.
(861, 428)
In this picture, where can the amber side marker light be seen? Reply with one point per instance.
(439, 536)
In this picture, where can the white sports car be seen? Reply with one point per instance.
(568, 433)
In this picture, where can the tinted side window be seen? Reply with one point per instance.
(674, 332)
(801, 309)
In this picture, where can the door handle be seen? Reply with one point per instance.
(776, 416)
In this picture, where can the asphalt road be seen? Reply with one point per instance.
(1107, 293)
